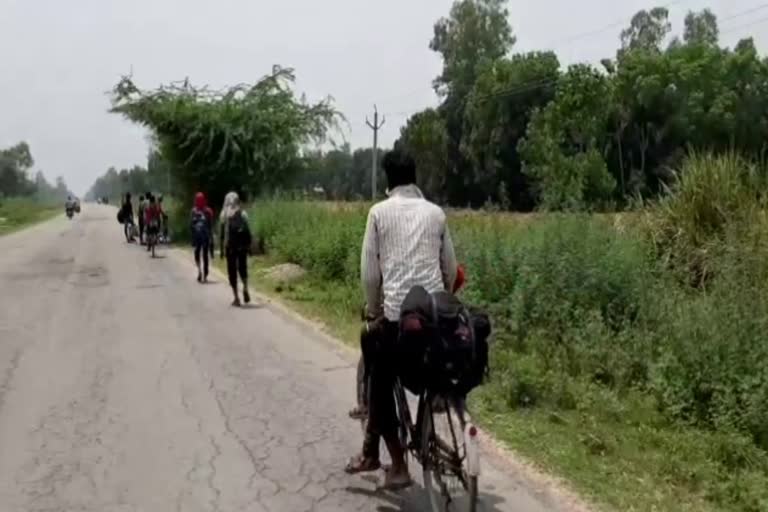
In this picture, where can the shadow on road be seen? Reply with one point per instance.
(415, 498)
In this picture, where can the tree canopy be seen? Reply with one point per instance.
(245, 138)
(523, 133)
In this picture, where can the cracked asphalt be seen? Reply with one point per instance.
(125, 386)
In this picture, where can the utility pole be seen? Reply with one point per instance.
(375, 127)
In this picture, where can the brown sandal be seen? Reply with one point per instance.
(358, 413)
(361, 464)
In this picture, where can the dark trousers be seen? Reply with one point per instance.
(141, 229)
(204, 248)
(385, 357)
(237, 263)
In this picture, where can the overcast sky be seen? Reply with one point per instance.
(58, 57)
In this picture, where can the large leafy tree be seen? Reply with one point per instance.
(246, 138)
(475, 34)
(498, 111)
(567, 140)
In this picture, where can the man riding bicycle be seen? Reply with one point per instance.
(406, 244)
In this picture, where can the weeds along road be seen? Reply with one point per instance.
(125, 386)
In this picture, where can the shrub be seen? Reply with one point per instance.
(711, 196)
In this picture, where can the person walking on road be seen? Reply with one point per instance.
(236, 244)
(201, 224)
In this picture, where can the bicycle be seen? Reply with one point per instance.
(449, 456)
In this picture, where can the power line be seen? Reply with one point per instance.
(744, 13)
(745, 25)
(610, 26)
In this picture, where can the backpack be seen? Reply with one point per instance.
(200, 230)
(457, 340)
(238, 234)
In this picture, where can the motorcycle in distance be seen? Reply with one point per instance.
(70, 212)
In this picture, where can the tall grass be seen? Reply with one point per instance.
(16, 213)
(604, 323)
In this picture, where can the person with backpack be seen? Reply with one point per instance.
(202, 234)
(236, 244)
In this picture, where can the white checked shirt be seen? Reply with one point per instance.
(406, 244)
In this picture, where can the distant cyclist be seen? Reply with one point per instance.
(69, 206)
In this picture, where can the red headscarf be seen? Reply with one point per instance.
(200, 201)
(202, 204)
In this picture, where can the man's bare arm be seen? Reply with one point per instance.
(370, 269)
(448, 262)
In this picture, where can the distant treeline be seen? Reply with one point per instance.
(16, 165)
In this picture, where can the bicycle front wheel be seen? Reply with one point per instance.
(449, 484)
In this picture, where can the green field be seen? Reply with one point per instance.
(630, 354)
(16, 214)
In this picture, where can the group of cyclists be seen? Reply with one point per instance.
(152, 220)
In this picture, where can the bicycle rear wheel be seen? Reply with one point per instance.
(447, 479)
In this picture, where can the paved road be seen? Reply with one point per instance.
(127, 387)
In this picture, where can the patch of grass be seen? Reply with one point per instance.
(18, 213)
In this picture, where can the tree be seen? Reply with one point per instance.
(566, 142)
(425, 138)
(246, 138)
(701, 28)
(474, 34)
(647, 30)
(497, 114)
(15, 162)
